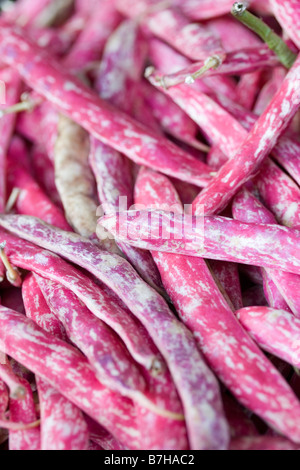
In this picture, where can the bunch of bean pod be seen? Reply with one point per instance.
(149, 225)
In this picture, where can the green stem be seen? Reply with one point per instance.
(275, 43)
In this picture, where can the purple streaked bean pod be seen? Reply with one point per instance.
(194, 40)
(281, 288)
(256, 147)
(275, 331)
(62, 424)
(22, 410)
(174, 341)
(31, 199)
(106, 123)
(122, 64)
(234, 63)
(43, 171)
(287, 13)
(226, 274)
(100, 302)
(212, 237)
(173, 120)
(86, 332)
(269, 89)
(89, 45)
(279, 193)
(272, 293)
(120, 70)
(12, 89)
(69, 372)
(4, 397)
(248, 88)
(203, 309)
(228, 29)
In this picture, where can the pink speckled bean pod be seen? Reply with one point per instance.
(97, 117)
(31, 200)
(287, 13)
(269, 89)
(64, 303)
(228, 29)
(39, 126)
(83, 329)
(22, 410)
(210, 9)
(206, 9)
(247, 208)
(167, 60)
(4, 398)
(286, 150)
(122, 65)
(275, 331)
(43, 171)
(228, 277)
(26, 12)
(279, 193)
(272, 293)
(114, 180)
(89, 45)
(227, 348)
(99, 301)
(172, 119)
(258, 144)
(211, 237)
(120, 70)
(37, 309)
(69, 372)
(262, 443)
(234, 63)
(62, 424)
(248, 88)
(193, 40)
(174, 341)
(12, 93)
(212, 123)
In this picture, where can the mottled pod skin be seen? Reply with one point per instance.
(212, 237)
(21, 409)
(88, 333)
(276, 331)
(281, 288)
(229, 351)
(174, 341)
(233, 63)
(258, 144)
(120, 70)
(31, 200)
(99, 301)
(100, 119)
(7, 123)
(287, 13)
(68, 371)
(62, 424)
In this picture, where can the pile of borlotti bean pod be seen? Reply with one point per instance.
(149, 214)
